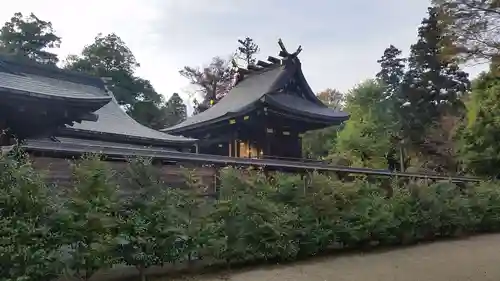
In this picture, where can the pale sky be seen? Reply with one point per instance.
(341, 39)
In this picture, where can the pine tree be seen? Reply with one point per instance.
(392, 71)
(175, 110)
(433, 85)
(391, 76)
(247, 50)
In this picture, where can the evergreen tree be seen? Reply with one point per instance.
(433, 85)
(390, 78)
(175, 110)
(29, 37)
(247, 50)
(392, 71)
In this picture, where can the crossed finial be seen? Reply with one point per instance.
(286, 53)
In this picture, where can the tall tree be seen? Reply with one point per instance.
(213, 81)
(247, 50)
(175, 110)
(29, 37)
(390, 78)
(392, 71)
(431, 97)
(472, 27)
(433, 85)
(108, 56)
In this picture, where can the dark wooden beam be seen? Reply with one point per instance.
(273, 59)
(254, 68)
(283, 54)
(282, 47)
(263, 63)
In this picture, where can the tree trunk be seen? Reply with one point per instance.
(142, 272)
(401, 159)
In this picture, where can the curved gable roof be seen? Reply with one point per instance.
(20, 76)
(241, 97)
(24, 78)
(114, 121)
(267, 84)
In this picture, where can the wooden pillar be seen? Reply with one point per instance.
(236, 148)
(268, 139)
(3, 133)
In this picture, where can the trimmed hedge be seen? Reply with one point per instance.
(254, 218)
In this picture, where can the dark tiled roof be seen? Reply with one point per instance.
(23, 65)
(50, 87)
(266, 85)
(242, 96)
(26, 77)
(305, 107)
(21, 76)
(113, 120)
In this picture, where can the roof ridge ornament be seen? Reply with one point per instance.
(285, 54)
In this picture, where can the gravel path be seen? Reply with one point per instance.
(476, 258)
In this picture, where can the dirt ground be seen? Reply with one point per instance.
(476, 258)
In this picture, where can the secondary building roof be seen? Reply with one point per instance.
(115, 122)
(21, 78)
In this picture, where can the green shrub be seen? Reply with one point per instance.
(29, 245)
(88, 219)
(193, 207)
(256, 217)
(484, 200)
(146, 234)
(249, 226)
